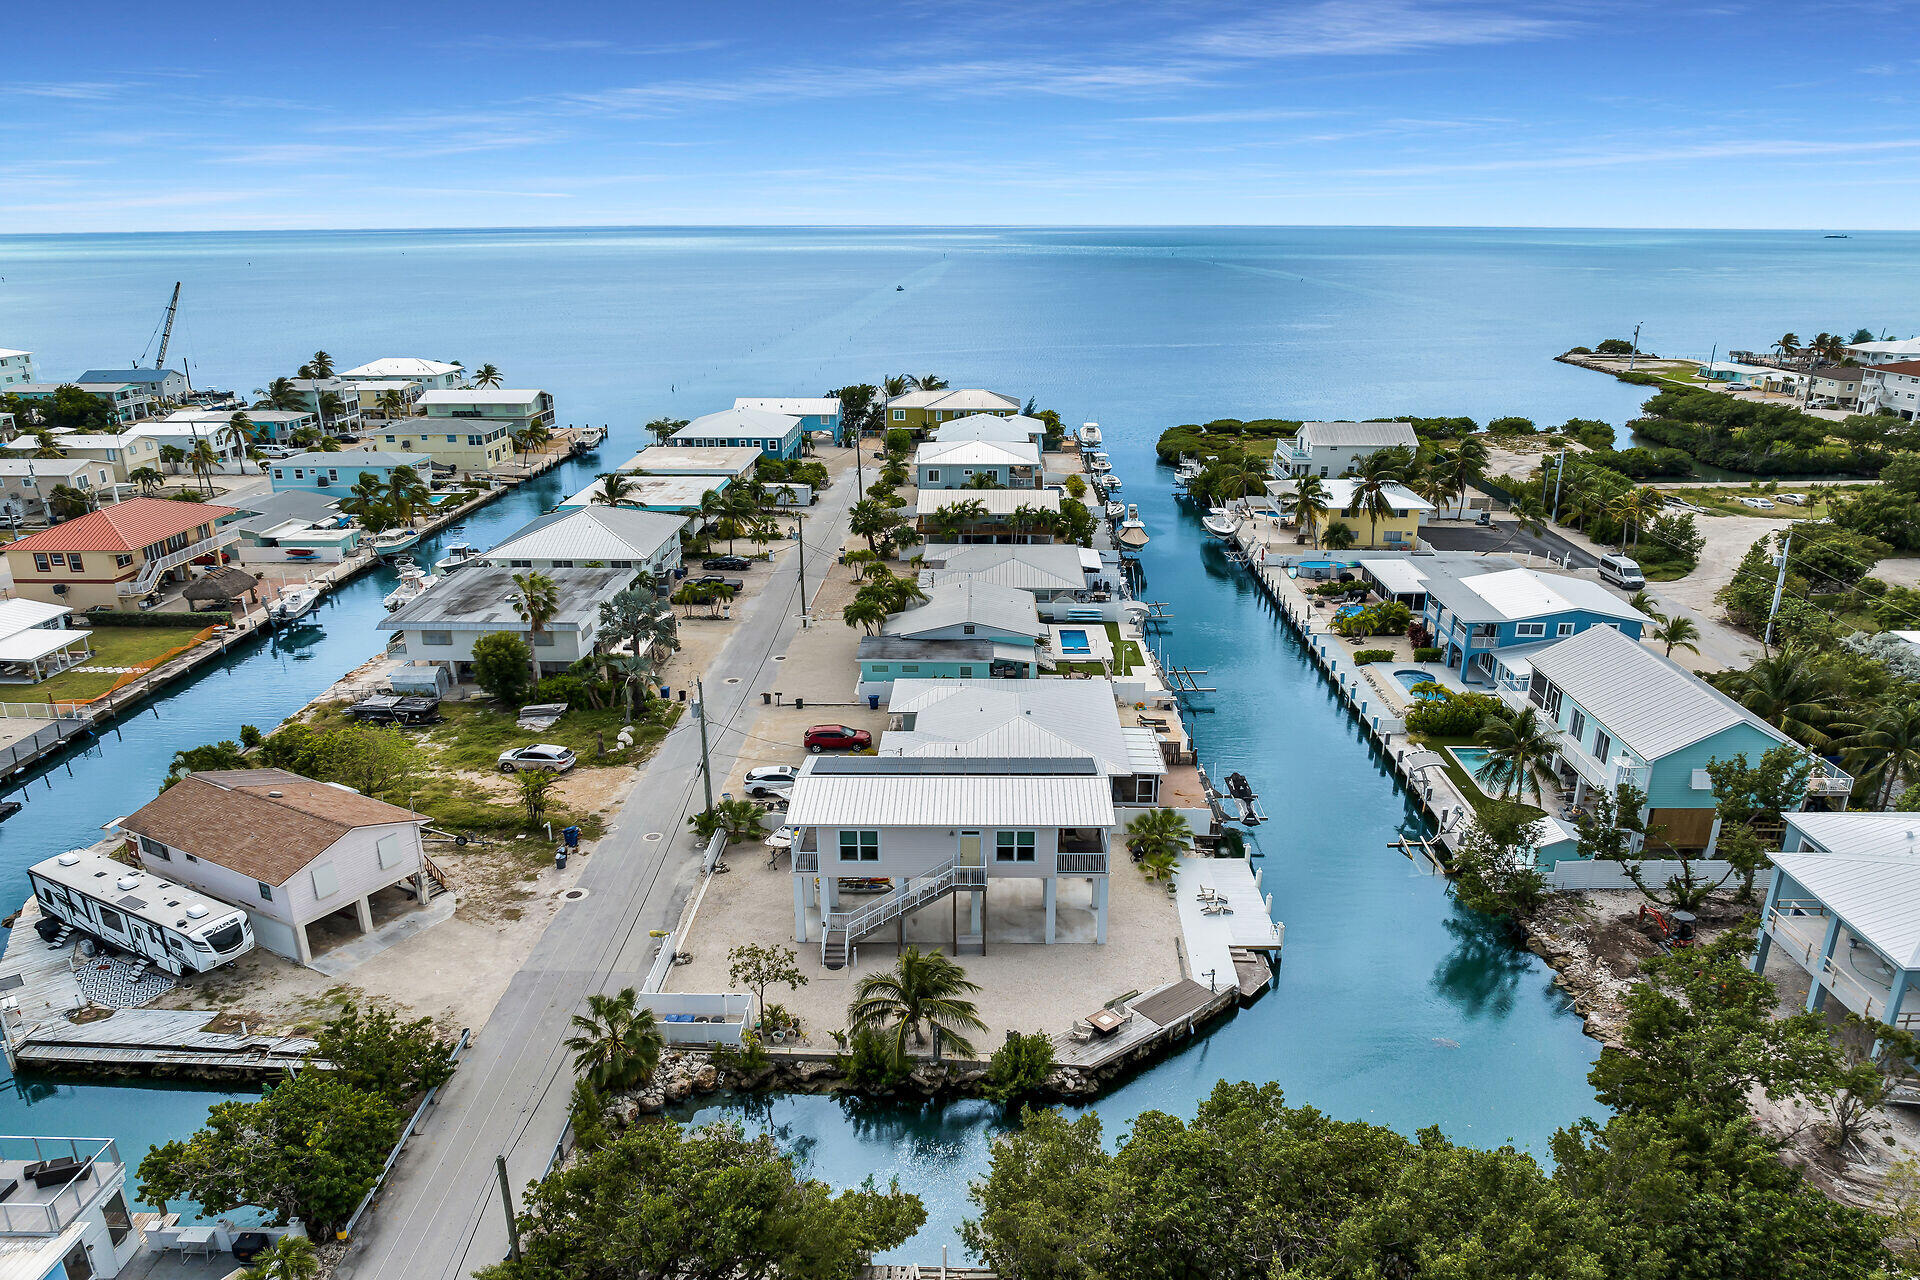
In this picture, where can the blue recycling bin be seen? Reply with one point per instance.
(873, 702)
(571, 835)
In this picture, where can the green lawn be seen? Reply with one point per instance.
(473, 734)
(112, 647)
(1462, 781)
(1724, 500)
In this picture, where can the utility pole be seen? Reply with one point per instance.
(1634, 356)
(800, 532)
(1559, 474)
(506, 1198)
(700, 713)
(1779, 586)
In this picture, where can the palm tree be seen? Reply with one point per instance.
(864, 611)
(321, 365)
(204, 460)
(662, 429)
(1376, 473)
(147, 478)
(1517, 752)
(928, 381)
(366, 501)
(407, 493)
(281, 395)
(291, 1258)
(390, 403)
(1787, 343)
(615, 486)
(1157, 834)
(1643, 602)
(1677, 632)
(486, 376)
(538, 599)
(1339, 536)
(925, 993)
(1788, 693)
(172, 456)
(954, 518)
(618, 1045)
(896, 385)
(1310, 506)
(1884, 756)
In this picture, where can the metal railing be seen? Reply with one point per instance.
(1081, 863)
(393, 1156)
(151, 571)
(806, 860)
(23, 1215)
(857, 924)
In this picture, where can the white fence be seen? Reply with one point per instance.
(693, 1017)
(1584, 874)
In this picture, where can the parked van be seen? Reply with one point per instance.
(1622, 572)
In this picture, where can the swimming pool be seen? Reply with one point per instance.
(1347, 611)
(1473, 759)
(1074, 640)
(1410, 678)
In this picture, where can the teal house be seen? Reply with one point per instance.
(966, 630)
(338, 472)
(1626, 715)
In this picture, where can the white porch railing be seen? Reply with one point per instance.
(151, 571)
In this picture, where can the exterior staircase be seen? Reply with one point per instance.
(437, 883)
(841, 930)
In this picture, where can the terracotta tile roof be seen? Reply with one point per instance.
(124, 526)
(264, 823)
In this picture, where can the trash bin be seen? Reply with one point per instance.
(799, 704)
(571, 835)
(560, 858)
(873, 702)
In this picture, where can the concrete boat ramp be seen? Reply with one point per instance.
(41, 993)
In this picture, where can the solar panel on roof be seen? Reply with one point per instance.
(949, 766)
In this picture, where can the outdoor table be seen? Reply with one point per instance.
(1106, 1022)
(194, 1240)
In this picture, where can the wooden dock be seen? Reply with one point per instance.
(1252, 972)
(40, 989)
(1159, 1018)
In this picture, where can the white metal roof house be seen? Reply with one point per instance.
(986, 426)
(998, 518)
(937, 828)
(35, 641)
(1048, 570)
(969, 609)
(432, 375)
(777, 435)
(1332, 448)
(816, 413)
(1892, 351)
(957, 464)
(1628, 715)
(666, 460)
(645, 542)
(1470, 613)
(1041, 719)
(1844, 905)
(440, 625)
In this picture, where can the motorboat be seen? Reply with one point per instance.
(1116, 511)
(1089, 435)
(1221, 522)
(413, 584)
(392, 542)
(294, 603)
(1097, 463)
(1113, 484)
(459, 554)
(1188, 471)
(1133, 512)
(1133, 532)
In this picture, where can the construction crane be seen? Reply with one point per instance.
(166, 333)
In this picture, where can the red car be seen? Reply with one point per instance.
(837, 737)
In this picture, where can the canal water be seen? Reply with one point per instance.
(1391, 1005)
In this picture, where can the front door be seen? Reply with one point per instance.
(969, 855)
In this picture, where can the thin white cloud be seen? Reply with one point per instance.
(1348, 27)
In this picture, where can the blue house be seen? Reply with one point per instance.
(777, 435)
(816, 413)
(1844, 905)
(1470, 614)
(327, 472)
(1626, 715)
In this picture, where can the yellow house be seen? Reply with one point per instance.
(123, 454)
(1398, 531)
(920, 410)
(113, 557)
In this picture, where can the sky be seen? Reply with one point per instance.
(923, 112)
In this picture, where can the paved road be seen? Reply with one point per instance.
(1449, 535)
(441, 1217)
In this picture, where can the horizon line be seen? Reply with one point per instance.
(954, 226)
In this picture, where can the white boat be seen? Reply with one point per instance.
(394, 541)
(459, 554)
(1116, 511)
(1188, 471)
(294, 603)
(1113, 484)
(1089, 435)
(1097, 463)
(413, 584)
(1132, 534)
(1133, 512)
(1221, 522)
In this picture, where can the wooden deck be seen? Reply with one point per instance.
(1158, 1015)
(128, 1041)
(1252, 971)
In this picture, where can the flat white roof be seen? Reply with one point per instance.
(37, 642)
(797, 406)
(19, 614)
(690, 460)
(136, 891)
(483, 395)
(657, 491)
(1396, 577)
